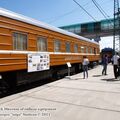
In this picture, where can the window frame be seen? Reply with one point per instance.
(91, 50)
(87, 49)
(95, 52)
(57, 42)
(43, 38)
(75, 48)
(82, 49)
(22, 33)
(66, 47)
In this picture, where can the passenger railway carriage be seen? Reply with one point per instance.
(31, 50)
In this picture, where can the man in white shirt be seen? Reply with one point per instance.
(115, 64)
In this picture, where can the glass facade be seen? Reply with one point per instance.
(91, 27)
(108, 24)
(77, 29)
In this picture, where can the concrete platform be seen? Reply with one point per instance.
(94, 98)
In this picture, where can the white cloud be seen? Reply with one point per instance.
(106, 42)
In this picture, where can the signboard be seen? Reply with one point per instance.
(38, 62)
(68, 64)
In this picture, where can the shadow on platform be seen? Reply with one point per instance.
(110, 79)
(78, 78)
(72, 78)
(97, 75)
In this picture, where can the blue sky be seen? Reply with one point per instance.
(60, 12)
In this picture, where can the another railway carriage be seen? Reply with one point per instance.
(31, 50)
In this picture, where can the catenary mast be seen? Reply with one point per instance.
(116, 36)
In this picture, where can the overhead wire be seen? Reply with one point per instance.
(85, 10)
(63, 15)
(102, 11)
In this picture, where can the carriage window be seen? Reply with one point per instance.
(20, 41)
(57, 45)
(82, 49)
(86, 49)
(42, 44)
(94, 50)
(91, 50)
(76, 48)
(67, 47)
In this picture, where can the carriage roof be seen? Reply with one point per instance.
(16, 16)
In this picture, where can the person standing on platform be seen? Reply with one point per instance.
(115, 64)
(85, 66)
(105, 63)
(119, 68)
